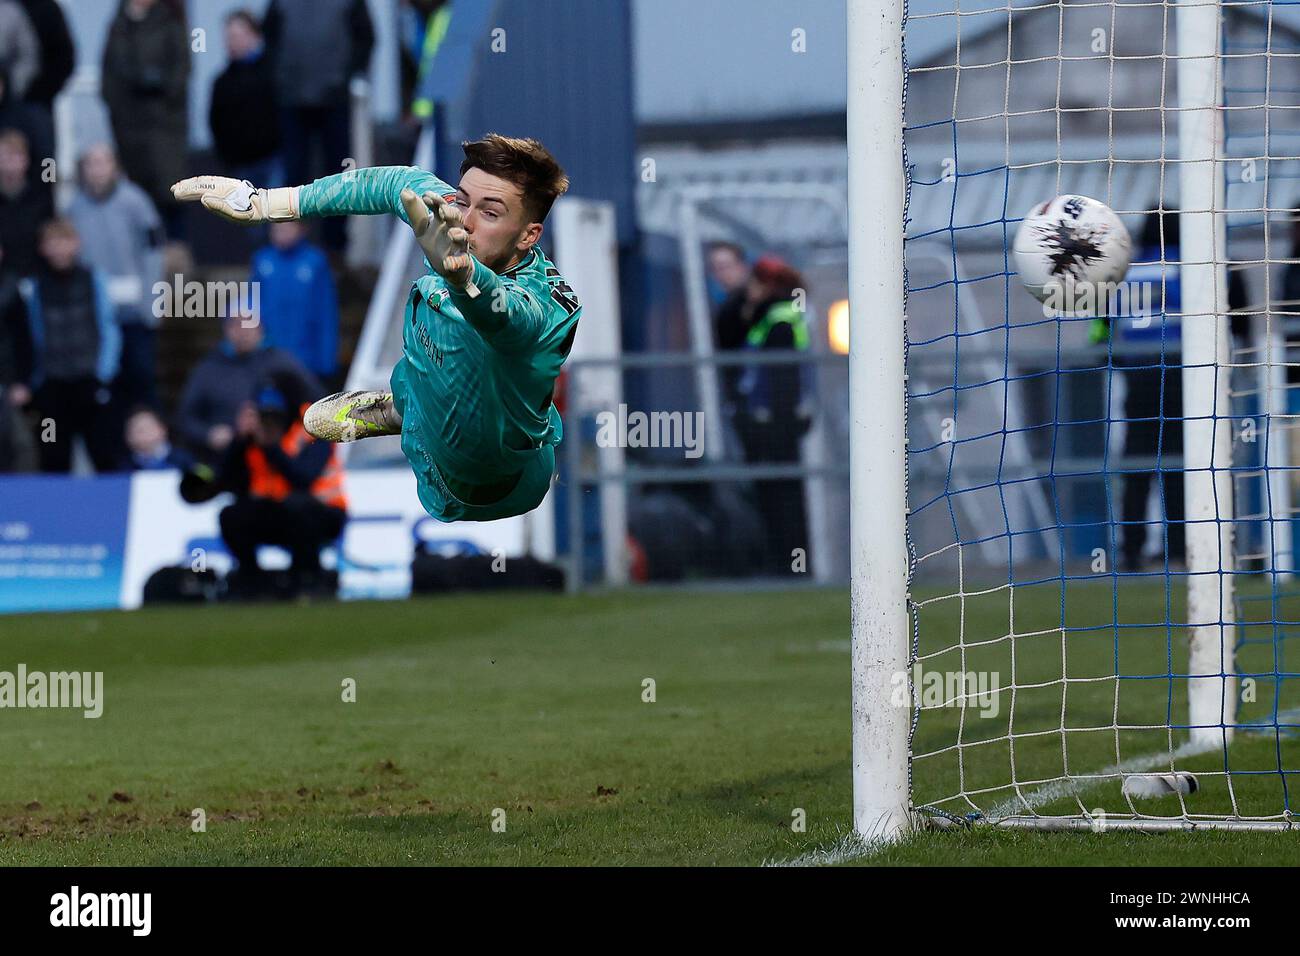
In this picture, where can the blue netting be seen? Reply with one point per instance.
(1046, 513)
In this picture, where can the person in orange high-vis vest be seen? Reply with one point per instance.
(288, 491)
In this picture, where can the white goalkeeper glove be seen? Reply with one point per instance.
(437, 227)
(239, 200)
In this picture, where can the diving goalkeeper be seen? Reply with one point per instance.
(484, 333)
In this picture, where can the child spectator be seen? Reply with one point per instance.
(298, 299)
(75, 347)
(148, 447)
(123, 240)
(23, 207)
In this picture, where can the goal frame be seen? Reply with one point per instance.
(878, 557)
(879, 548)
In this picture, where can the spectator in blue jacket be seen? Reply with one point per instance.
(76, 348)
(299, 304)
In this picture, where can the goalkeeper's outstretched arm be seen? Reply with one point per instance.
(372, 191)
(509, 314)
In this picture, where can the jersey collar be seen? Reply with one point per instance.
(525, 261)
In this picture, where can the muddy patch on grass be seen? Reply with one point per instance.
(385, 793)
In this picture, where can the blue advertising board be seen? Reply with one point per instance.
(91, 543)
(62, 542)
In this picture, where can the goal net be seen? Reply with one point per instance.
(1100, 604)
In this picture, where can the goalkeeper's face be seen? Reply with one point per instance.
(500, 230)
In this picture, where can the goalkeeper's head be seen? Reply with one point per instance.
(507, 187)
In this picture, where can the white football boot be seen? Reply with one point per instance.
(351, 416)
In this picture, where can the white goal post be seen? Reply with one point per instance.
(1206, 432)
(877, 417)
(1075, 682)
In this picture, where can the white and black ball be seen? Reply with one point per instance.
(1069, 249)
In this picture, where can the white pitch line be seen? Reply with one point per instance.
(848, 847)
(1073, 786)
(851, 846)
(1057, 789)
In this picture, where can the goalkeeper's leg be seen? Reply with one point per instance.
(351, 416)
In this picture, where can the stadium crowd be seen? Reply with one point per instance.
(80, 307)
(79, 317)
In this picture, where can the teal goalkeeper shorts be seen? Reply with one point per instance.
(433, 464)
(439, 500)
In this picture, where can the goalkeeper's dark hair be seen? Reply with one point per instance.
(526, 163)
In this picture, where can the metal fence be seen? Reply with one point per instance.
(652, 490)
(654, 507)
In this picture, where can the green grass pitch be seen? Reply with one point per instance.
(529, 710)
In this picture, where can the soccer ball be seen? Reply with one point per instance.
(1067, 248)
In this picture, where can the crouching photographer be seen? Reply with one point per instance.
(288, 491)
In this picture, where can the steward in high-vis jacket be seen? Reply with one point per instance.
(288, 491)
(771, 415)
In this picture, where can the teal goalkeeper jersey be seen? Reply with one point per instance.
(478, 373)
